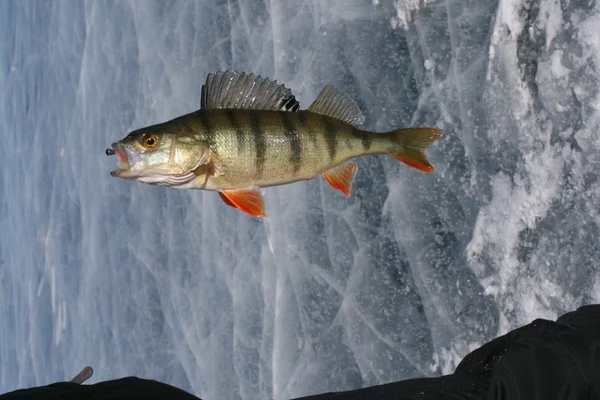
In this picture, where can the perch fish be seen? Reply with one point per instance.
(250, 133)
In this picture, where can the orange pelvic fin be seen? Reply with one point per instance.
(413, 142)
(341, 177)
(249, 201)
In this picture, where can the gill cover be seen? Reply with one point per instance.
(158, 158)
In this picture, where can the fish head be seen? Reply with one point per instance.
(155, 156)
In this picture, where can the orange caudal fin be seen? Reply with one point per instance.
(412, 143)
(249, 201)
(341, 177)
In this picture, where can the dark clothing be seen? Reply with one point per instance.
(130, 388)
(449, 387)
(544, 360)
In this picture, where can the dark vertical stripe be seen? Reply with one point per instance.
(365, 137)
(209, 131)
(330, 136)
(302, 119)
(237, 129)
(291, 132)
(261, 143)
(304, 126)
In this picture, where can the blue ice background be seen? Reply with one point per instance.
(329, 293)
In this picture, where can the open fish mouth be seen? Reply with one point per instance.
(131, 166)
(122, 161)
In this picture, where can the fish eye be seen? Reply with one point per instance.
(150, 141)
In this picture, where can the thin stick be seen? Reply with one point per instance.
(83, 376)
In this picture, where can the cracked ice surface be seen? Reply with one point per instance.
(329, 293)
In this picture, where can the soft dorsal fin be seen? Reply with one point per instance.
(337, 104)
(241, 91)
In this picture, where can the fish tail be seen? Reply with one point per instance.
(409, 146)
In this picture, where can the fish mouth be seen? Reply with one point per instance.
(122, 161)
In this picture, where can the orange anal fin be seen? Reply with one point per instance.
(249, 201)
(341, 177)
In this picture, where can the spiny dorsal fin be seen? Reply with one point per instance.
(241, 91)
(337, 104)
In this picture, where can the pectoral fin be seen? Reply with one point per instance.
(205, 169)
(341, 177)
(249, 201)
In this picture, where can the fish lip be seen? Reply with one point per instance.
(122, 160)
